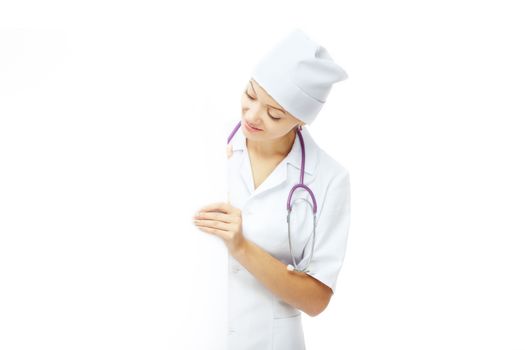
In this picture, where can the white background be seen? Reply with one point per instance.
(112, 134)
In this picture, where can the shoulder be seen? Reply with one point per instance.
(331, 170)
(334, 187)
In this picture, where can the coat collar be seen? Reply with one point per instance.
(282, 171)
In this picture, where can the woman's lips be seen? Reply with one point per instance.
(250, 128)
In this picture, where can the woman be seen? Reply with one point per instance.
(269, 281)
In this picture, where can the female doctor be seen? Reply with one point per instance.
(286, 243)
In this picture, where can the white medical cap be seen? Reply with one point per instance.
(298, 73)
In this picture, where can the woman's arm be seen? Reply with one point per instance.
(295, 288)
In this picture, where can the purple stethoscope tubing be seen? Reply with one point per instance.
(289, 207)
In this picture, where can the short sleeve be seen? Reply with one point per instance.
(333, 225)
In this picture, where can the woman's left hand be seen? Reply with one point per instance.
(223, 220)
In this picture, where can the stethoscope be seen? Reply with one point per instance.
(294, 267)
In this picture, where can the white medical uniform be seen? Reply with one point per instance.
(258, 319)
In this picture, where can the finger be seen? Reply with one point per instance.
(221, 233)
(215, 216)
(215, 227)
(213, 224)
(217, 206)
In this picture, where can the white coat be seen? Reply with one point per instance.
(258, 319)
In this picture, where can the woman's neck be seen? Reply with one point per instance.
(278, 148)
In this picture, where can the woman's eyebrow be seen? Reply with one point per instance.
(266, 104)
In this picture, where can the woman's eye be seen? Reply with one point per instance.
(251, 98)
(273, 117)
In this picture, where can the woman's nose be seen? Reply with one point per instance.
(252, 116)
(253, 121)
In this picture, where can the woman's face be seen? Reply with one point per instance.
(261, 111)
